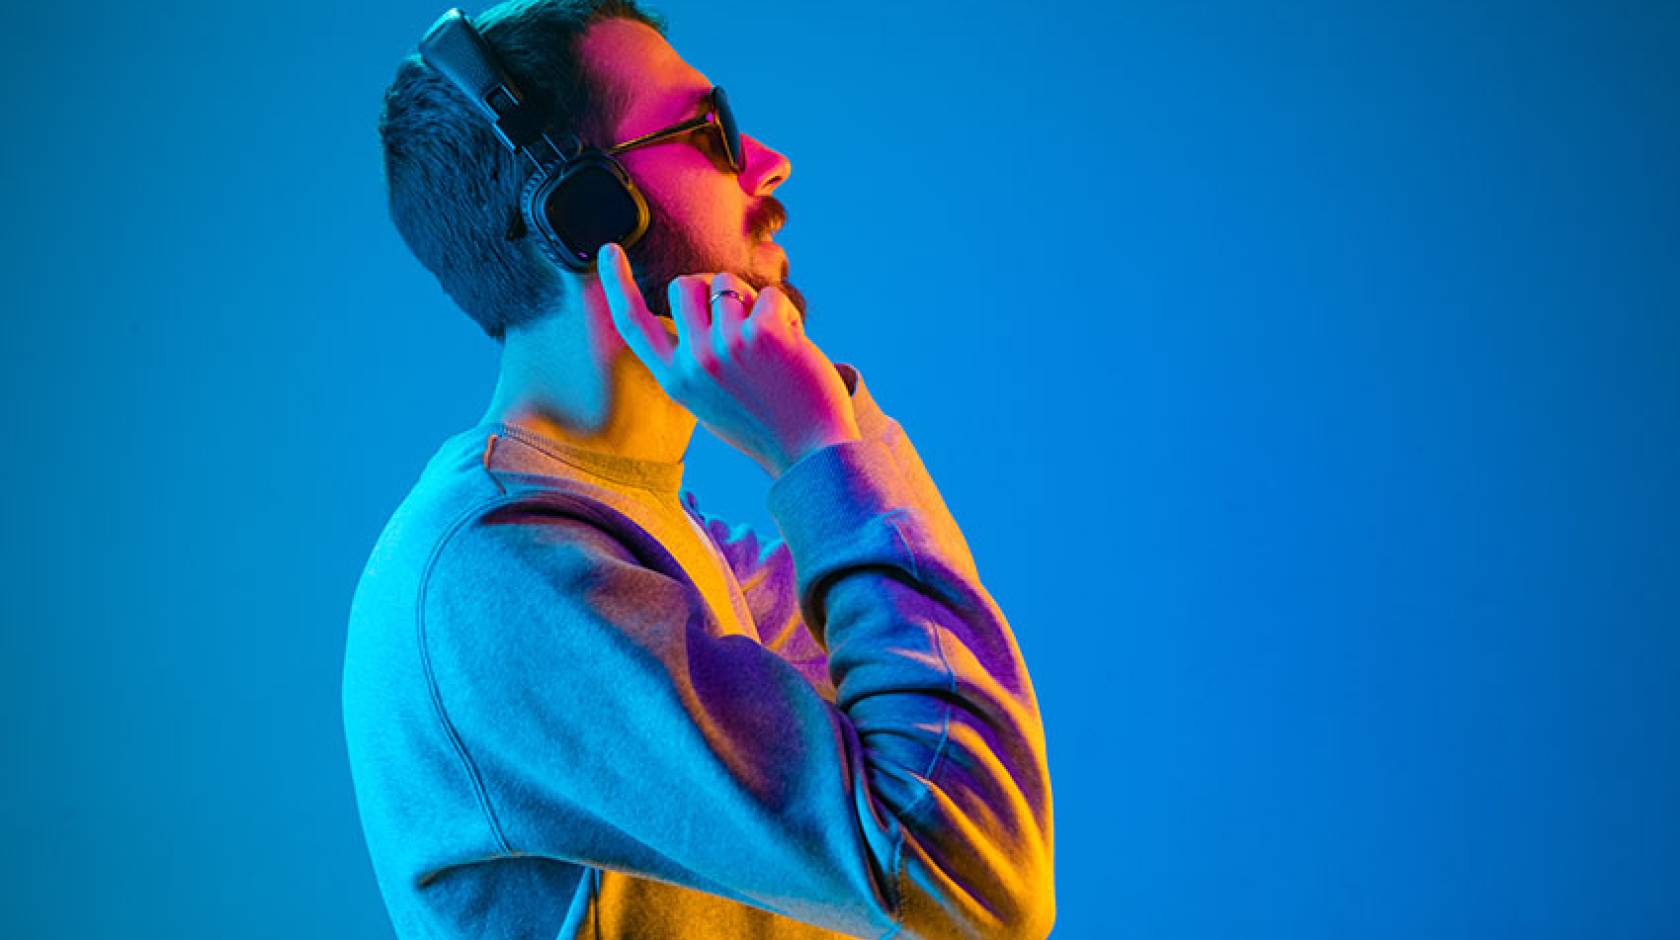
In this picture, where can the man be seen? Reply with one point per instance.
(575, 705)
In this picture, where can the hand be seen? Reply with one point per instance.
(751, 377)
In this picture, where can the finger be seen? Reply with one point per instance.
(774, 313)
(728, 312)
(688, 308)
(637, 325)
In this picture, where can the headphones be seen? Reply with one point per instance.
(579, 197)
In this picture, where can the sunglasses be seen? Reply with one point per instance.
(717, 107)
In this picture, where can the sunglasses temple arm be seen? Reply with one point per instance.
(657, 136)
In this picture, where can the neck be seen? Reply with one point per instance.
(569, 377)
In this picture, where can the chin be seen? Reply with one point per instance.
(776, 271)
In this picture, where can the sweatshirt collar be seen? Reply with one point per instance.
(528, 451)
(531, 452)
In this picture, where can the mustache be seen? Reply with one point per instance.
(769, 216)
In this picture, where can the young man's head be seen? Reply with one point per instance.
(607, 74)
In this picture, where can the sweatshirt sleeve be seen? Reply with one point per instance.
(761, 562)
(763, 566)
(602, 723)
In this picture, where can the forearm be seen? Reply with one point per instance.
(930, 676)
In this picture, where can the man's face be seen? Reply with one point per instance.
(703, 218)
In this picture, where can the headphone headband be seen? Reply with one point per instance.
(456, 49)
(577, 198)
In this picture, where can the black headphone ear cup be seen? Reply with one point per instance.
(532, 196)
(591, 202)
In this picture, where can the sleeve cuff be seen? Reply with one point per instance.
(836, 508)
(836, 487)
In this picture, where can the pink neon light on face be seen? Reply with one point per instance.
(703, 217)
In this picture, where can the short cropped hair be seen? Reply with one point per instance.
(453, 187)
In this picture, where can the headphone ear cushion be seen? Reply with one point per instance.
(591, 202)
(531, 198)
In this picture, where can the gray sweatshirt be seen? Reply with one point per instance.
(577, 706)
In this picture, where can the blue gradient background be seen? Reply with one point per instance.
(1305, 379)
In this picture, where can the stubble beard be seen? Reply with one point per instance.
(666, 251)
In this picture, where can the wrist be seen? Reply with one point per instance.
(845, 430)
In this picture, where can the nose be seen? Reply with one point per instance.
(762, 169)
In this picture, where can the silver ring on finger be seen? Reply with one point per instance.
(730, 292)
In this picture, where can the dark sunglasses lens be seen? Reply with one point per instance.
(731, 133)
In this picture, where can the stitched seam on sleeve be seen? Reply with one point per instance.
(454, 736)
(950, 683)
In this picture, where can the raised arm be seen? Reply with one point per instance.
(600, 722)
(761, 561)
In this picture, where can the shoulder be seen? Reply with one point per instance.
(530, 581)
(563, 536)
